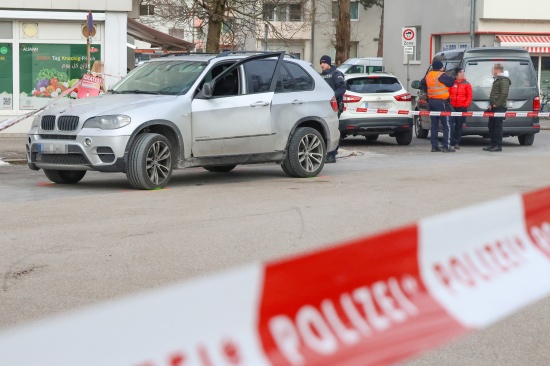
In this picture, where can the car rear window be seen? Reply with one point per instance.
(379, 84)
(480, 74)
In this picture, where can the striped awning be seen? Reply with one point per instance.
(533, 44)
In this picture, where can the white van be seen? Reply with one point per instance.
(363, 65)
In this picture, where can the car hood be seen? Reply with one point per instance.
(104, 104)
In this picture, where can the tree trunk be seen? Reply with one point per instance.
(380, 52)
(215, 22)
(343, 32)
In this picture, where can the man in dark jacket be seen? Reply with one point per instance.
(497, 103)
(335, 79)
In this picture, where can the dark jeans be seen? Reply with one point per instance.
(456, 126)
(335, 152)
(439, 105)
(495, 127)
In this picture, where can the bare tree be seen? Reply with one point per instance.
(343, 32)
(367, 4)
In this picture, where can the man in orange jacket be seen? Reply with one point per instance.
(461, 97)
(437, 84)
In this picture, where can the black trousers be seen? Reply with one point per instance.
(495, 127)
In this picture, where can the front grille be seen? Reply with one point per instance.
(67, 123)
(58, 137)
(48, 123)
(61, 159)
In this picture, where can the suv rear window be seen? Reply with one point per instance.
(480, 74)
(379, 84)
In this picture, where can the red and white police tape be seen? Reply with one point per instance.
(406, 112)
(373, 301)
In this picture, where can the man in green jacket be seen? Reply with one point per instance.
(498, 104)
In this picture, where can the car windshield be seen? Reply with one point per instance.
(380, 84)
(480, 74)
(161, 77)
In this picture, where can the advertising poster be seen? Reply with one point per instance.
(6, 76)
(46, 70)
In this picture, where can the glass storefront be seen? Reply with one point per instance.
(47, 70)
(6, 76)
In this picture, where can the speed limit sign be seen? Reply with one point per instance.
(409, 36)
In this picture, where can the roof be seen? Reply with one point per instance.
(156, 38)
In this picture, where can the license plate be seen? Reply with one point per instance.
(376, 105)
(53, 148)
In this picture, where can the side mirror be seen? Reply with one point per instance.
(207, 90)
(415, 84)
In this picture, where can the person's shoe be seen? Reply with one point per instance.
(448, 149)
(457, 147)
(330, 159)
(435, 149)
(495, 148)
(487, 148)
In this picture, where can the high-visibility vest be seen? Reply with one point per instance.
(436, 89)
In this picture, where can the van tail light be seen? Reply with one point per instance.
(403, 97)
(334, 104)
(536, 103)
(351, 98)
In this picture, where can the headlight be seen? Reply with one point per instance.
(36, 121)
(107, 122)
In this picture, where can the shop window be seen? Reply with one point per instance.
(6, 76)
(47, 70)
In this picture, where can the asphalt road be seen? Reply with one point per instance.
(65, 247)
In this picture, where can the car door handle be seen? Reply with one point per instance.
(259, 104)
(297, 101)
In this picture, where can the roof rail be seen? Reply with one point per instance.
(244, 52)
(186, 54)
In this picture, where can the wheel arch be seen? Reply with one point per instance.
(314, 122)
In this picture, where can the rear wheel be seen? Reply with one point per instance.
(419, 131)
(404, 138)
(64, 176)
(220, 168)
(149, 162)
(372, 137)
(526, 140)
(306, 153)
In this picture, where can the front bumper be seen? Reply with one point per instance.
(70, 152)
(376, 125)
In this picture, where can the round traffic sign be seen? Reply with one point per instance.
(408, 34)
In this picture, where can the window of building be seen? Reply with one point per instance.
(228, 26)
(146, 10)
(283, 12)
(353, 10)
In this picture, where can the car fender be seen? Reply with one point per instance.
(161, 122)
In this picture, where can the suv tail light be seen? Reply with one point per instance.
(351, 98)
(334, 104)
(536, 103)
(403, 97)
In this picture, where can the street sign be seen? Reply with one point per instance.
(409, 50)
(409, 36)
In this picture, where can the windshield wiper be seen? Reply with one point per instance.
(112, 91)
(138, 92)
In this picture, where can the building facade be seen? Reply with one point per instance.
(463, 24)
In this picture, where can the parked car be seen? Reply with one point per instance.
(362, 65)
(380, 91)
(477, 64)
(192, 111)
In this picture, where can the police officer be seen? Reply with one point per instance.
(335, 79)
(437, 84)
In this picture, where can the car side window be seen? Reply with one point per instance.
(228, 85)
(259, 74)
(304, 82)
(356, 69)
(286, 82)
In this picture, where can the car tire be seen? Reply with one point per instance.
(288, 169)
(220, 168)
(149, 162)
(404, 138)
(65, 176)
(372, 137)
(419, 131)
(306, 153)
(526, 140)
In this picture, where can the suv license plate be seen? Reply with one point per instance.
(376, 105)
(53, 148)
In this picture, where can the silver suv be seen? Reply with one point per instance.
(210, 111)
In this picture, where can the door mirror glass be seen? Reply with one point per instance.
(207, 90)
(415, 84)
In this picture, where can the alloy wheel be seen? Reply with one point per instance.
(310, 152)
(158, 163)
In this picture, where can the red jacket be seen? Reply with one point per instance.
(461, 94)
